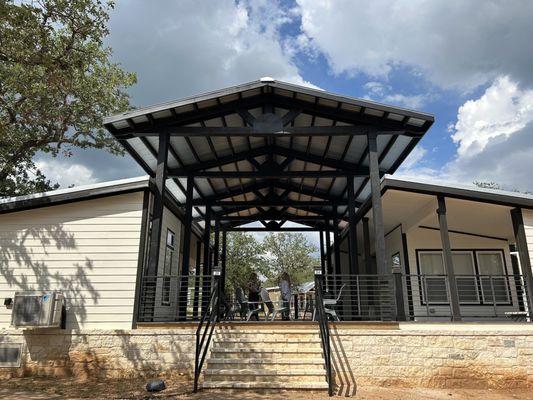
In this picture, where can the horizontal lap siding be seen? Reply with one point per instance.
(87, 249)
(528, 226)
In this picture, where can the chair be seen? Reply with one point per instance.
(331, 303)
(272, 311)
(246, 308)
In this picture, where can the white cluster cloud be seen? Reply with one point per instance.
(455, 44)
(494, 136)
(65, 172)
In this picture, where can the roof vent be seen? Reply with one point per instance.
(267, 79)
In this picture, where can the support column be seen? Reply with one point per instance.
(197, 279)
(206, 272)
(329, 266)
(523, 253)
(352, 228)
(322, 260)
(224, 255)
(186, 255)
(337, 247)
(377, 209)
(448, 261)
(149, 297)
(216, 252)
(366, 247)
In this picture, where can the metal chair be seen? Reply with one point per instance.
(272, 310)
(331, 303)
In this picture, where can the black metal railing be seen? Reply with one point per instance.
(359, 297)
(480, 297)
(323, 323)
(205, 329)
(391, 297)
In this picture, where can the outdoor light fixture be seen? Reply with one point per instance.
(8, 302)
(216, 270)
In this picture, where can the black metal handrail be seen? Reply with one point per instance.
(205, 329)
(323, 323)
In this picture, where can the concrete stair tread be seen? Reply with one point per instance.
(265, 372)
(265, 385)
(265, 350)
(270, 361)
(261, 340)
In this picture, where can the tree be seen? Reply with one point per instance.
(291, 253)
(244, 255)
(56, 84)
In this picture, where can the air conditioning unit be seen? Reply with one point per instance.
(37, 310)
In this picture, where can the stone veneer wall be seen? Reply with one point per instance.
(429, 355)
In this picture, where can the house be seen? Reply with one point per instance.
(430, 283)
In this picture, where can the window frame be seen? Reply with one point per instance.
(165, 289)
(474, 252)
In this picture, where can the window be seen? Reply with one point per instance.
(479, 274)
(167, 268)
(433, 287)
(493, 285)
(463, 265)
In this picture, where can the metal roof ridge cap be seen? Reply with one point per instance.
(57, 192)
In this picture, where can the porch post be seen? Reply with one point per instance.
(148, 305)
(206, 272)
(322, 261)
(337, 246)
(216, 252)
(352, 228)
(197, 279)
(224, 253)
(366, 247)
(186, 255)
(329, 267)
(448, 261)
(377, 209)
(523, 253)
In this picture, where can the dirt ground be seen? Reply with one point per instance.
(180, 388)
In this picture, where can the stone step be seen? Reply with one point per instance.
(313, 351)
(266, 385)
(280, 362)
(292, 346)
(268, 340)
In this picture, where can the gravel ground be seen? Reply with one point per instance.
(180, 388)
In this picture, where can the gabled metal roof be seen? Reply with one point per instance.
(226, 137)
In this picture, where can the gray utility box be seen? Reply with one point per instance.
(37, 309)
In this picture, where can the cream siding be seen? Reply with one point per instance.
(87, 249)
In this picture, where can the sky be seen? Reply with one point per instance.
(469, 63)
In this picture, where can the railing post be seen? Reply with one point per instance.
(399, 293)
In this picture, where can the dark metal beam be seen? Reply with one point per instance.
(268, 202)
(366, 247)
(352, 228)
(280, 229)
(272, 174)
(448, 260)
(523, 253)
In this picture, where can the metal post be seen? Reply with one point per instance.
(224, 255)
(322, 260)
(352, 228)
(197, 279)
(448, 261)
(377, 209)
(206, 272)
(523, 253)
(216, 252)
(329, 266)
(366, 247)
(186, 255)
(398, 291)
(157, 223)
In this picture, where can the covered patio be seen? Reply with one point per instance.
(265, 151)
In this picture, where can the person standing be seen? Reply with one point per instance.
(285, 290)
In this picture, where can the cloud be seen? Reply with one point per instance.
(65, 172)
(494, 134)
(501, 111)
(188, 47)
(454, 44)
(382, 92)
